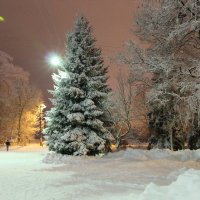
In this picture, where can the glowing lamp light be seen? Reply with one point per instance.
(2, 19)
(43, 106)
(113, 147)
(54, 60)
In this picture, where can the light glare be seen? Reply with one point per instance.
(54, 60)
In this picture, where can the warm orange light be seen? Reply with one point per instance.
(113, 147)
(43, 106)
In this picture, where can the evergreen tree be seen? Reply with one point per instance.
(78, 122)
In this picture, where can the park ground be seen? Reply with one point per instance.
(31, 172)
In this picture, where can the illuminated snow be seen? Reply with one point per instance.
(32, 173)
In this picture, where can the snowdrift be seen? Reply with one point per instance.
(145, 167)
(186, 187)
(124, 175)
(132, 155)
(157, 154)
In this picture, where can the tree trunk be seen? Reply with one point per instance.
(171, 140)
(19, 127)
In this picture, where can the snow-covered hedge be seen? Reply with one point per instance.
(132, 155)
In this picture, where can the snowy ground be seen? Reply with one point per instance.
(32, 173)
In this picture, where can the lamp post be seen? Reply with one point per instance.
(41, 121)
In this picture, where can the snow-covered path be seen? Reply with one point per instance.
(133, 174)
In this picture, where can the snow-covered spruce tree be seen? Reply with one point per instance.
(172, 30)
(78, 123)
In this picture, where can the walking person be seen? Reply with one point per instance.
(7, 144)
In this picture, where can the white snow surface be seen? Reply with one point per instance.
(28, 173)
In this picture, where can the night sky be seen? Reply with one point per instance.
(33, 28)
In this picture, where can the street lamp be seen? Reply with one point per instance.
(54, 60)
(41, 121)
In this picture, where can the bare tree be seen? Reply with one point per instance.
(27, 101)
(123, 109)
(128, 108)
(18, 102)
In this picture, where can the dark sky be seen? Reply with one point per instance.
(33, 28)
